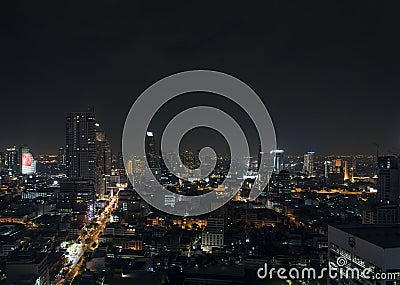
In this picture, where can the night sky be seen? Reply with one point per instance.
(328, 71)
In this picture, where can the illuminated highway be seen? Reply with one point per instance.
(87, 241)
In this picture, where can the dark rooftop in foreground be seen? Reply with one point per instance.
(385, 236)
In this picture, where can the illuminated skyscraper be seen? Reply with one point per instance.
(103, 159)
(2, 159)
(153, 156)
(278, 159)
(129, 168)
(12, 159)
(80, 148)
(189, 159)
(327, 167)
(334, 171)
(387, 207)
(346, 171)
(61, 158)
(28, 164)
(388, 180)
(308, 165)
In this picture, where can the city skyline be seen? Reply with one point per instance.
(196, 143)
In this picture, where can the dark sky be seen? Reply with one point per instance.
(328, 71)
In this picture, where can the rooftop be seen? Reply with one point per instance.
(385, 236)
(26, 257)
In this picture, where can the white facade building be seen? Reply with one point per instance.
(366, 246)
(213, 234)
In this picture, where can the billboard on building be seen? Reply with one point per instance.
(28, 163)
(26, 159)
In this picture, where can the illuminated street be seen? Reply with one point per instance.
(86, 242)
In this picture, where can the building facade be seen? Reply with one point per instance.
(80, 148)
(28, 268)
(376, 247)
(213, 234)
(308, 163)
(386, 207)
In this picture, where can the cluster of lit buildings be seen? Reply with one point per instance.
(308, 186)
(18, 161)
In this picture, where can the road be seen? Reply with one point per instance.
(87, 241)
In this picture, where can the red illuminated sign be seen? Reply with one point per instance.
(26, 159)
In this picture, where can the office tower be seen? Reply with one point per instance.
(346, 171)
(279, 187)
(192, 163)
(334, 171)
(308, 165)
(153, 157)
(327, 167)
(80, 148)
(213, 234)
(103, 160)
(139, 167)
(77, 197)
(189, 159)
(278, 159)
(118, 161)
(388, 181)
(129, 168)
(61, 158)
(28, 164)
(386, 207)
(12, 159)
(206, 163)
(2, 159)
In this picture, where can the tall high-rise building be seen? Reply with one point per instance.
(308, 165)
(346, 171)
(153, 155)
(327, 168)
(278, 159)
(189, 159)
(388, 180)
(334, 171)
(386, 208)
(28, 163)
(61, 158)
(2, 159)
(80, 147)
(103, 160)
(279, 187)
(12, 161)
